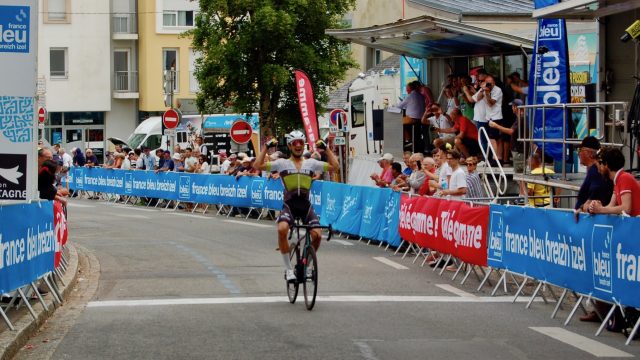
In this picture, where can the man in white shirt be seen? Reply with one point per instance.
(444, 170)
(227, 163)
(491, 95)
(67, 160)
(458, 181)
(190, 160)
(440, 120)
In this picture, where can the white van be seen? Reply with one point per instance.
(149, 133)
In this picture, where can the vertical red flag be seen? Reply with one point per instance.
(307, 108)
(61, 233)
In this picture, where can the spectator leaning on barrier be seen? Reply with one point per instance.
(595, 186)
(385, 177)
(203, 166)
(626, 189)
(92, 160)
(167, 163)
(399, 182)
(417, 177)
(178, 163)
(133, 158)
(148, 159)
(406, 156)
(78, 157)
(227, 163)
(430, 183)
(457, 186)
(540, 192)
(190, 160)
(67, 160)
(475, 190)
(444, 171)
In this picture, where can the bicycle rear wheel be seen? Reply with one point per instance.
(292, 286)
(310, 284)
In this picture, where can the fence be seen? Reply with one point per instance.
(33, 238)
(593, 258)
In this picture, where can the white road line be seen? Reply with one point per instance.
(455, 290)
(393, 264)
(275, 299)
(341, 242)
(129, 216)
(593, 347)
(193, 216)
(72, 204)
(136, 208)
(250, 223)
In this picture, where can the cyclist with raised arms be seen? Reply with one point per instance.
(297, 174)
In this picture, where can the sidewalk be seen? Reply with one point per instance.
(26, 326)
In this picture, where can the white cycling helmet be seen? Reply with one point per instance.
(295, 135)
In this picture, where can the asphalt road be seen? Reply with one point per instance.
(171, 285)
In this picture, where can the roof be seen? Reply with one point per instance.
(338, 98)
(586, 9)
(492, 7)
(433, 37)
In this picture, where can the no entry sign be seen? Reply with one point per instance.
(42, 115)
(171, 119)
(241, 132)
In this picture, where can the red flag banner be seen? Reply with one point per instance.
(307, 108)
(61, 233)
(450, 227)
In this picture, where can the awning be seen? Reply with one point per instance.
(586, 9)
(431, 37)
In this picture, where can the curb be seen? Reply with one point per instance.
(12, 341)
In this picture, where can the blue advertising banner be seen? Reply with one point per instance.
(368, 212)
(28, 243)
(549, 81)
(351, 213)
(595, 256)
(373, 203)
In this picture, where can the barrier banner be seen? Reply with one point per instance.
(60, 230)
(597, 256)
(351, 213)
(451, 227)
(373, 205)
(315, 196)
(389, 231)
(28, 243)
(332, 198)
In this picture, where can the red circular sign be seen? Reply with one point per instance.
(42, 115)
(170, 119)
(241, 132)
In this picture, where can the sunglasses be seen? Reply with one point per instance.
(297, 142)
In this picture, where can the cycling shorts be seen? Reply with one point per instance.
(298, 210)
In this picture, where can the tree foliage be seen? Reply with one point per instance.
(250, 48)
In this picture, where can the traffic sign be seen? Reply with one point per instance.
(338, 119)
(170, 132)
(171, 118)
(241, 132)
(42, 115)
(340, 140)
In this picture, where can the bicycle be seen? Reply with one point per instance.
(304, 257)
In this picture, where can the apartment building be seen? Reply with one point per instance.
(161, 49)
(86, 71)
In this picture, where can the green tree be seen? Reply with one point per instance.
(251, 47)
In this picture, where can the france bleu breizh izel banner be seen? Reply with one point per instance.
(549, 81)
(595, 257)
(18, 49)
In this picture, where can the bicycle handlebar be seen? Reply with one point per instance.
(303, 226)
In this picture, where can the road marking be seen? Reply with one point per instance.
(455, 290)
(137, 208)
(591, 346)
(365, 350)
(337, 299)
(249, 223)
(193, 216)
(128, 216)
(393, 264)
(342, 242)
(72, 204)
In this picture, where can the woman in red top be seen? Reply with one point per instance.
(626, 189)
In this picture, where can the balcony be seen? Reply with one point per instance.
(125, 85)
(124, 27)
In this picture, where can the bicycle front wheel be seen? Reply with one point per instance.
(310, 284)
(292, 286)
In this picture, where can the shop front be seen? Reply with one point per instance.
(77, 129)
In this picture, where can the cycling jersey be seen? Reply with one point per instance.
(297, 184)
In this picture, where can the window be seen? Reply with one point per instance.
(170, 63)
(514, 63)
(378, 57)
(58, 63)
(493, 66)
(178, 18)
(56, 11)
(357, 111)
